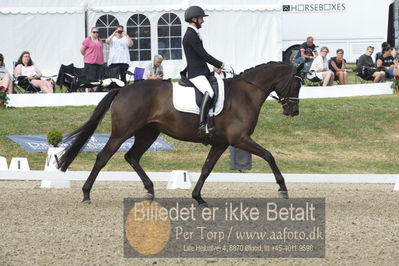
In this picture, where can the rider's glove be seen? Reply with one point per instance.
(227, 68)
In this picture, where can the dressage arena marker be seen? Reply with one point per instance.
(51, 165)
(179, 179)
(19, 164)
(3, 163)
(213, 177)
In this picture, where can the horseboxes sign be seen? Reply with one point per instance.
(38, 143)
(229, 228)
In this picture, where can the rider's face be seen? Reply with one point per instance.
(199, 20)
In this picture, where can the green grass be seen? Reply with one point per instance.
(341, 135)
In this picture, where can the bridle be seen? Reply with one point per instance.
(283, 100)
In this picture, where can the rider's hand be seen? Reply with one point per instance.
(227, 68)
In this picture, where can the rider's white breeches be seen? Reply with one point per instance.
(202, 83)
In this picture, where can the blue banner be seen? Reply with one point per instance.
(38, 143)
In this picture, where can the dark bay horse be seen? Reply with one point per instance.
(145, 109)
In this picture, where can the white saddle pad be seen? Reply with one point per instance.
(184, 99)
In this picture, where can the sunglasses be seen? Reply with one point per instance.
(94, 31)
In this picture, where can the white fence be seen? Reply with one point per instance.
(79, 99)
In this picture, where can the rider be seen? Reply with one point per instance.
(197, 57)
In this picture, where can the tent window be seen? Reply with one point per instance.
(169, 36)
(106, 25)
(139, 29)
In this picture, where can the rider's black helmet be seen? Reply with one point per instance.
(194, 12)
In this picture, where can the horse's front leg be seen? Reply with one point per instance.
(213, 156)
(248, 144)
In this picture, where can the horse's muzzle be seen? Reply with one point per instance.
(291, 109)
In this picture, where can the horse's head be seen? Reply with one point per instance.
(290, 92)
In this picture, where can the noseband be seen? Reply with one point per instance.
(287, 100)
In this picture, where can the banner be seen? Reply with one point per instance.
(38, 143)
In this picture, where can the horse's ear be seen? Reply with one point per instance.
(299, 68)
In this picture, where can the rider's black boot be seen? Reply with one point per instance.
(204, 110)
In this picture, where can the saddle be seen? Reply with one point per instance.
(185, 82)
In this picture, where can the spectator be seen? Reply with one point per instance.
(119, 57)
(25, 67)
(386, 62)
(366, 69)
(338, 67)
(307, 51)
(93, 57)
(394, 53)
(319, 68)
(383, 46)
(155, 70)
(5, 77)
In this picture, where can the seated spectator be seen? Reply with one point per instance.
(383, 46)
(307, 51)
(386, 62)
(26, 68)
(154, 70)
(5, 77)
(338, 67)
(366, 69)
(319, 68)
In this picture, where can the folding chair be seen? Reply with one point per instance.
(23, 85)
(71, 77)
(137, 75)
(314, 81)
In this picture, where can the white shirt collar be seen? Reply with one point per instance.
(196, 30)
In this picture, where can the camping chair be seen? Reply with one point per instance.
(23, 85)
(72, 78)
(305, 78)
(137, 75)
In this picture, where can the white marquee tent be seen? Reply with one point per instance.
(240, 33)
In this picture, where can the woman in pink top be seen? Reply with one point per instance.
(93, 57)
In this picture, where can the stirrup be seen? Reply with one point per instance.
(203, 130)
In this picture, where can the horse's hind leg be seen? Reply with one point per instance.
(213, 156)
(102, 158)
(143, 140)
(251, 146)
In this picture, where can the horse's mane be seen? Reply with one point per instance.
(248, 71)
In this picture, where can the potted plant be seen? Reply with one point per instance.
(3, 97)
(395, 85)
(54, 138)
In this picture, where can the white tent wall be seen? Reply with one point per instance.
(52, 31)
(238, 34)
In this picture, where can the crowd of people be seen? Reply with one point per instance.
(317, 65)
(321, 69)
(27, 74)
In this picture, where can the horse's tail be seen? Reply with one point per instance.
(82, 134)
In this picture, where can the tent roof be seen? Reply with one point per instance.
(41, 10)
(79, 6)
(157, 8)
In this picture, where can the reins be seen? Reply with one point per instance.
(282, 100)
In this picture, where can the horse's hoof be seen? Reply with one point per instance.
(86, 201)
(149, 196)
(283, 194)
(203, 205)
